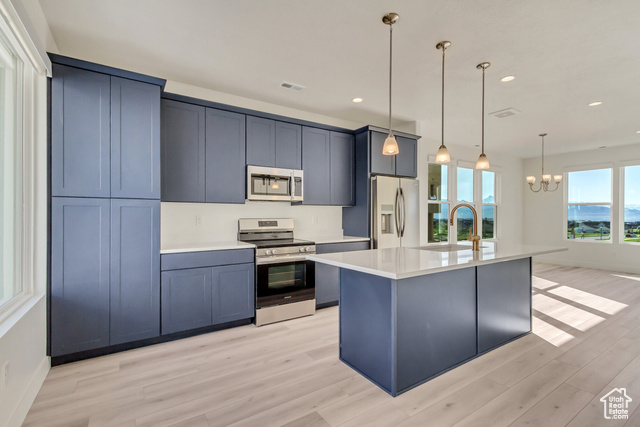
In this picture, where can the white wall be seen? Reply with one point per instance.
(510, 172)
(544, 213)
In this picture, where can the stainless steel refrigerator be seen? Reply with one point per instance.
(395, 211)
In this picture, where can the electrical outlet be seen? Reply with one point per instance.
(198, 220)
(4, 376)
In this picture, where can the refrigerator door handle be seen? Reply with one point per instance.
(396, 212)
(404, 213)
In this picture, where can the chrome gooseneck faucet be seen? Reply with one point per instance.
(473, 238)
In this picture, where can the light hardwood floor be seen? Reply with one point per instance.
(585, 342)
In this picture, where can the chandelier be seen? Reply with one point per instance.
(546, 179)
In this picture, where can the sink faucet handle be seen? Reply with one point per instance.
(473, 237)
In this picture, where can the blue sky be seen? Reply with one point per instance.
(632, 185)
(590, 186)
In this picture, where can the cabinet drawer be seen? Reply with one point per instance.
(329, 248)
(205, 259)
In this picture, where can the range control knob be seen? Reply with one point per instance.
(301, 249)
(273, 252)
(308, 249)
(267, 251)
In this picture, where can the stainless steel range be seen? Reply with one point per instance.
(285, 280)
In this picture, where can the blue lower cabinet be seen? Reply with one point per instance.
(233, 292)
(79, 274)
(186, 299)
(328, 276)
(135, 270)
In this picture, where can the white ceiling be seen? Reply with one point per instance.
(564, 54)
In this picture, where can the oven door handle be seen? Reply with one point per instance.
(281, 259)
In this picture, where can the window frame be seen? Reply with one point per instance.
(612, 204)
(432, 160)
(620, 228)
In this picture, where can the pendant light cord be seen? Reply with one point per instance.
(390, 71)
(483, 70)
(442, 141)
(543, 157)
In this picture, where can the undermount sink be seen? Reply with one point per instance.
(447, 248)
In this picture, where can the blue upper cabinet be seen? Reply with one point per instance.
(80, 138)
(183, 159)
(135, 139)
(406, 160)
(273, 143)
(225, 157)
(316, 164)
(288, 146)
(381, 164)
(342, 169)
(135, 270)
(402, 164)
(261, 141)
(79, 274)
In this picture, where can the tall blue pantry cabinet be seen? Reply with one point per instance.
(105, 207)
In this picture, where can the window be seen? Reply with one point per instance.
(632, 204)
(488, 205)
(10, 174)
(465, 195)
(589, 205)
(438, 205)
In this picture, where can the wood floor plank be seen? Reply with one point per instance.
(289, 373)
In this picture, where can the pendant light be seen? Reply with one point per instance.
(483, 162)
(443, 154)
(390, 147)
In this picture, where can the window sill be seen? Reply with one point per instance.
(14, 310)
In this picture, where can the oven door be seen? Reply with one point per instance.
(283, 282)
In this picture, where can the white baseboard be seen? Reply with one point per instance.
(29, 396)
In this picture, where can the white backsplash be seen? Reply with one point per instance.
(183, 223)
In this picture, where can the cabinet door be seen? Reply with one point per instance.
(342, 169)
(135, 139)
(79, 274)
(225, 156)
(316, 164)
(233, 292)
(186, 299)
(135, 270)
(182, 152)
(504, 302)
(288, 146)
(406, 160)
(80, 105)
(261, 141)
(381, 164)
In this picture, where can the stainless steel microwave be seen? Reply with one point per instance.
(274, 184)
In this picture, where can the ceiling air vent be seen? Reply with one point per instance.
(293, 86)
(507, 112)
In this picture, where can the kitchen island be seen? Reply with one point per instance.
(410, 314)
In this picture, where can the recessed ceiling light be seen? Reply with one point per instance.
(593, 104)
(638, 131)
(356, 100)
(507, 78)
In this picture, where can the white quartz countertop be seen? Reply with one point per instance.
(402, 263)
(319, 240)
(207, 246)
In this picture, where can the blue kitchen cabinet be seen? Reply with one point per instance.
(80, 133)
(186, 299)
(261, 141)
(402, 164)
(328, 276)
(135, 139)
(135, 270)
(288, 145)
(79, 274)
(233, 294)
(406, 159)
(342, 169)
(273, 143)
(316, 164)
(381, 164)
(183, 155)
(225, 157)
